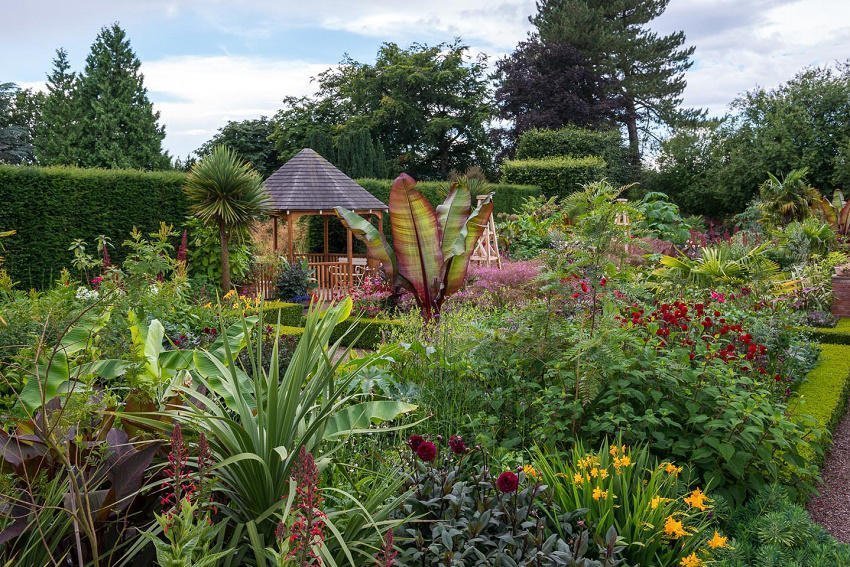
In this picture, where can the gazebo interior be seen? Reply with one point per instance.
(309, 185)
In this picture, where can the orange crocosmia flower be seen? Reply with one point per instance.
(717, 541)
(691, 561)
(674, 528)
(697, 499)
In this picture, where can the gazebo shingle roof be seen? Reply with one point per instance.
(309, 182)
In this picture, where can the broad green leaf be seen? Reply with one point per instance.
(417, 239)
(358, 417)
(107, 368)
(453, 214)
(46, 382)
(464, 246)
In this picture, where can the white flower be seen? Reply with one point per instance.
(154, 289)
(86, 294)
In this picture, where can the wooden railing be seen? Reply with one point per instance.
(331, 272)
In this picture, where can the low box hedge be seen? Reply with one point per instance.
(291, 314)
(364, 332)
(838, 335)
(556, 176)
(823, 394)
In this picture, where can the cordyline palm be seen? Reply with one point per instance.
(791, 198)
(431, 247)
(227, 193)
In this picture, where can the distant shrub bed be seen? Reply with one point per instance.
(556, 176)
(51, 206)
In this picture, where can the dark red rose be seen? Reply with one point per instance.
(426, 451)
(457, 445)
(414, 441)
(507, 482)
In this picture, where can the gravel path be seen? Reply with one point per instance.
(831, 508)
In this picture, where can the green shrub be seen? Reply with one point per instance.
(556, 176)
(364, 332)
(772, 530)
(578, 142)
(291, 314)
(204, 253)
(823, 394)
(838, 335)
(51, 206)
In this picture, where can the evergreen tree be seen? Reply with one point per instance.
(250, 140)
(647, 70)
(19, 111)
(358, 156)
(117, 124)
(56, 133)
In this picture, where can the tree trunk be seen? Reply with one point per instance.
(225, 258)
(631, 126)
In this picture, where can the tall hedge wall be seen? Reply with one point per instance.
(51, 206)
(507, 198)
(580, 142)
(557, 176)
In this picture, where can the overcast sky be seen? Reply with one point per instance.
(207, 62)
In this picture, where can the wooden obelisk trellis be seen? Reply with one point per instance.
(486, 252)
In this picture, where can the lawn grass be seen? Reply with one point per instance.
(823, 394)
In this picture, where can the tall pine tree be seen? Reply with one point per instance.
(646, 70)
(58, 129)
(117, 124)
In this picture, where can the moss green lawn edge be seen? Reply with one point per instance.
(838, 335)
(823, 394)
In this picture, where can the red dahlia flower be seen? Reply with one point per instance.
(507, 482)
(426, 451)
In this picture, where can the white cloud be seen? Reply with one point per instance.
(197, 95)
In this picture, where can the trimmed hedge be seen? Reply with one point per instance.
(507, 198)
(838, 335)
(823, 394)
(51, 206)
(578, 142)
(569, 141)
(291, 314)
(373, 331)
(556, 176)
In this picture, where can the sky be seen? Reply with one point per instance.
(207, 62)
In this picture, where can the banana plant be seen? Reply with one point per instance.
(431, 247)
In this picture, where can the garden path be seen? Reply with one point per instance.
(831, 507)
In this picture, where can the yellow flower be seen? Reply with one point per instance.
(530, 472)
(697, 499)
(577, 478)
(717, 541)
(620, 462)
(674, 528)
(598, 493)
(670, 468)
(613, 450)
(691, 561)
(603, 473)
(656, 502)
(594, 472)
(208, 305)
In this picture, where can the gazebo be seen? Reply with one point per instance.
(309, 185)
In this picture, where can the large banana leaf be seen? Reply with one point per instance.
(358, 418)
(464, 246)
(453, 214)
(417, 240)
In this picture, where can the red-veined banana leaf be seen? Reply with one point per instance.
(844, 219)
(417, 241)
(464, 246)
(453, 214)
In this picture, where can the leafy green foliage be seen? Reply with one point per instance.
(720, 265)
(250, 140)
(771, 530)
(462, 514)
(788, 199)
(296, 281)
(204, 254)
(532, 228)
(78, 204)
(629, 489)
(661, 218)
(556, 176)
(16, 114)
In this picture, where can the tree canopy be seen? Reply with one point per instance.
(19, 111)
(250, 140)
(58, 129)
(425, 108)
(643, 69)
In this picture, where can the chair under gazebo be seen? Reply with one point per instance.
(309, 185)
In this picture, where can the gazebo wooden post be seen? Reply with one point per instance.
(325, 248)
(274, 237)
(350, 250)
(290, 233)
